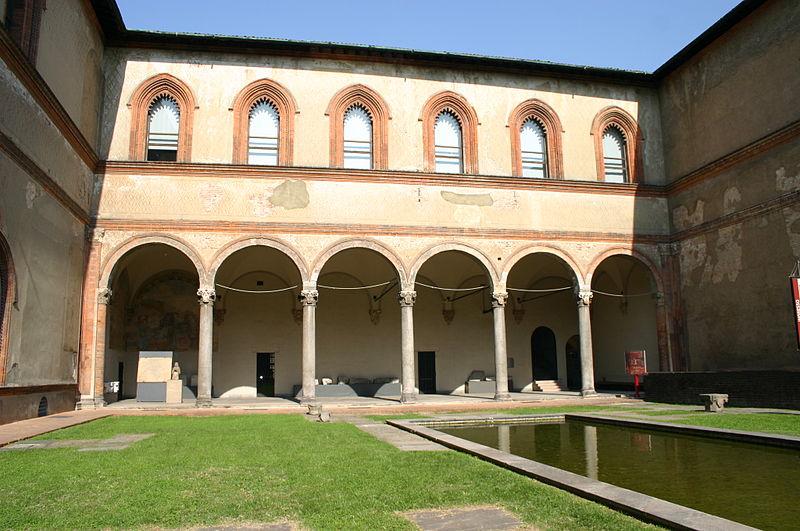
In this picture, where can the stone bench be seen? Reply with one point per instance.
(714, 401)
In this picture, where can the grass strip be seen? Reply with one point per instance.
(235, 469)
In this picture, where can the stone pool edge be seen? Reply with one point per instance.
(642, 506)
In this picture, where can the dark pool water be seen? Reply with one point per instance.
(752, 484)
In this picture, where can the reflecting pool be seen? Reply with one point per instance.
(748, 483)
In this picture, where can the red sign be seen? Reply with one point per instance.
(635, 362)
(796, 306)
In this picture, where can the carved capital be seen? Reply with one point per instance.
(661, 299)
(308, 297)
(585, 297)
(499, 299)
(206, 296)
(104, 296)
(375, 315)
(407, 298)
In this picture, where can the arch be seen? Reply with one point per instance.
(109, 264)
(376, 108)
(560, 254)
(551, 124)
(443, 247)
(634, 142)
(608, 253)
(467, 117)
(372, 245)
(8, 297)
(544, 354)
(143, 96)
(242, 243)
(287, 108)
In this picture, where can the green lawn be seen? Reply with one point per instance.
(263, 468)
(781, 423)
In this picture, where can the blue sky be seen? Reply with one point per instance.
(630, 34)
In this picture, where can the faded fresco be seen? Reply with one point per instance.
(164, 314)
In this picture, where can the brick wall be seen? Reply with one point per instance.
(19, 403)
(778, 389)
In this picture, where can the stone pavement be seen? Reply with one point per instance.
(25, 429)
(464, 519)
(398, 438)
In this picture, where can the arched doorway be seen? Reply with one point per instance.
(543, 354)
(573, 354)
(257, 318)
(624, 318)
(153, 307)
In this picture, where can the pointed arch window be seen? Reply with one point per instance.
(615, 161)
(163, 129)
(357, 138)
(161, 120)
(448, 144)
(264, 133)
(618, 145)
(533, 147)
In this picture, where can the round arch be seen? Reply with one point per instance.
(372, 245)
(559, 254)
(478, 255)
(130, 244)
(621, 251)
(219, 258)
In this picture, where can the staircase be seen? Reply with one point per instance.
(549, 386)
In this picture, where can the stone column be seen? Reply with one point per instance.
(103, 300)
(585, 334)
(205, 297)
(408, 391)
(89, 306)
(499, 299)
(662, 330)
(308, 298)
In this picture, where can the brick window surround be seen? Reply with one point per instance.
(7, 299)
(463, 111)
(376, 108)
(23, 22)
(287, 108)
(151, 89)
(616, 117)
(549, 121)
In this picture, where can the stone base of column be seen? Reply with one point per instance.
(90, 403)
(203, 402)
(502, 397)
(408, 398)
(307, 401)
(588, 392)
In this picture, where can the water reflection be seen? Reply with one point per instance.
(748, 483)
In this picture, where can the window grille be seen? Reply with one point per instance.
(357, 138)
(614, 156)
(163, 126)
(533, 144)
(448, 145)
(262, 147)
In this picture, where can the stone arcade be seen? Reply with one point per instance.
(287, 216)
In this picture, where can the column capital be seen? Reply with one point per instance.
(308, 297)
(206, 296)
(585, 297)
(407, 298)
(661, 298)
(499, 299)
(104, 296)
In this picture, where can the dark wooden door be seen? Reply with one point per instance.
(574, 377)
(265, 373)
(426, 367)
(543, 352)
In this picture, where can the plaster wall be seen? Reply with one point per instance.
(27, 125)
(294, 201)
(69, 58)
(216, 79)
(740, 88)
(47, 246)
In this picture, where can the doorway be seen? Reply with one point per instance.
(543, 354)
(265, 374)
(426, 365)
(573, 352)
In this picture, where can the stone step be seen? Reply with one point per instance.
(550, 386)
